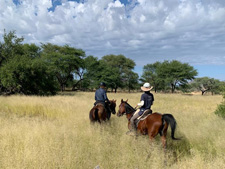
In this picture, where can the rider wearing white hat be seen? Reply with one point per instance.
(147, 100)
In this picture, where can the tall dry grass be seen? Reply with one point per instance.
(55, 132)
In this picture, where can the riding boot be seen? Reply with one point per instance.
(108, 111)
(132, 131)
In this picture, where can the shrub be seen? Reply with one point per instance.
(220, 111)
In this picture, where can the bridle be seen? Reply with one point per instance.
(128, 109)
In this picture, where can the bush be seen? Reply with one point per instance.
(220, 111)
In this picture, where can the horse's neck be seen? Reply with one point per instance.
(129, 116)
(129, 109)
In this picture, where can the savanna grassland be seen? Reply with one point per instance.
(55, 132)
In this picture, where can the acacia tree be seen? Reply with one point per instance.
(176, 73)
(116, 67)
(131, 80)
(150, 74)
(89, 73)
(63, 60)
(205, 84)
(27, 75)
(22, 70)
(9, 47)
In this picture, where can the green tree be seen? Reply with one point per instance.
(176, 73)
(150, 74)
(65, 61)
(205, 84)
(116, 69)
(26, 75)
(11, 46)
(93, 72)
(220, 111)
(131, 80)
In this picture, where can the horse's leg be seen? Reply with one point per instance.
(163, 137)
(99, 117)
(92, 115)
(152, 132)
(151, 135)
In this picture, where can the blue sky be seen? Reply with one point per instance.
(191, 31)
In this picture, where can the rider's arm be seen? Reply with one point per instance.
(105, 97)
(141, 103)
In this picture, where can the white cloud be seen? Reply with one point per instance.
(190, 31)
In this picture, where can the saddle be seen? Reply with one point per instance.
(100, 104)
(108, 110)
(143, 116)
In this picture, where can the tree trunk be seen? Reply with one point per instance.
(115, 89)
(62, 87)
(76, 84)
(172, 88)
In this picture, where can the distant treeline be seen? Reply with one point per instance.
(46, 69)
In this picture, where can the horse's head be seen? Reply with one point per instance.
(122, 108)
(112, 106)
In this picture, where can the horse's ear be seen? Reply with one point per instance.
(126, 100)
(121, 100)
(115, 101)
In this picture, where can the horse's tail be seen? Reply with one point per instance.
(94, 114)
(172, 122)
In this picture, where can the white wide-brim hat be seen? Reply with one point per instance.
(146, 87)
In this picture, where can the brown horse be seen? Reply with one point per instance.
(99, 113)
(153, 125)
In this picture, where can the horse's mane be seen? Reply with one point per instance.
(129, 108)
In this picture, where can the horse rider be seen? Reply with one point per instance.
(101, 97)
(147, 100)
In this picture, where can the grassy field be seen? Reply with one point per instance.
(55, 132)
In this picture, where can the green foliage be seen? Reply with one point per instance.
(22, 70)
(114, 70)
(205, 84)
(174, 74)
(63, 61)
(25, 75)
(220, 111)
(30, 69)
(93, 72)
(11, 46)
(118, 71)
(131, 80)
(150, 74)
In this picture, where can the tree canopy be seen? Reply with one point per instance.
(168, 73)
(63, 60)
(46, 69)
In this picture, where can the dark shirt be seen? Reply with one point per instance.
(148, 99)
(100, 95)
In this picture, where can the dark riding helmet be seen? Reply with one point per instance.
(102, 84)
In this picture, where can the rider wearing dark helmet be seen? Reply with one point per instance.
(101, 97)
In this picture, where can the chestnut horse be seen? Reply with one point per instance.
(153, 125)
(98, 113)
